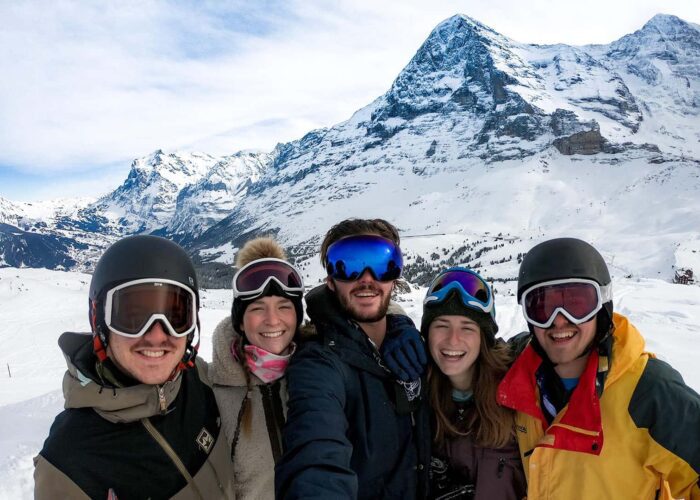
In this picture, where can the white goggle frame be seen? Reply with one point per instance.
(253, 294)
(604, 294)
(154, 317)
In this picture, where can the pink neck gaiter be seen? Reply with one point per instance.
(266, 366)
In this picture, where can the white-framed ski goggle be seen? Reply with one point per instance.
(251, 280)
(577, 299)
(132, 307)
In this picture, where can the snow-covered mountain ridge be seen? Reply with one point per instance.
(482, 142)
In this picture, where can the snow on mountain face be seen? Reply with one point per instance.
(146, 200)
(660, 64)
(485, 144)
(462, 145)
(201, 204)
(10, 213)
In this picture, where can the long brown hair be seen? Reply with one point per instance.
(489, 423)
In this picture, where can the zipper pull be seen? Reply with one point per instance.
(501, 466)
(161, 399)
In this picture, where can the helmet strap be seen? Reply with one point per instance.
(190, 355)
(99, 339)
(99, 347)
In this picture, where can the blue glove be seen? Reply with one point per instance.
(403, 349)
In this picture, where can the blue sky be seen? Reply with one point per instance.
(88, 86)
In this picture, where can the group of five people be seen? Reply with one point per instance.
(342, 407)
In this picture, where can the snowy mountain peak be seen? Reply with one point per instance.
(464, 24)
(176, 167)
(459, 53)
(668, 25)
(663, 37)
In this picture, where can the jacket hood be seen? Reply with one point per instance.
(224, 370)
(627, 346)
(83, 388)
(322, 306)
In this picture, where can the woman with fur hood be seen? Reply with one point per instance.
(251, 351)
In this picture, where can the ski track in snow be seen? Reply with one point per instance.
(38, 305)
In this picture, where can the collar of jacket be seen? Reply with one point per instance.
(83, 389)
(224, 370)
(578, 427)
(342, 335)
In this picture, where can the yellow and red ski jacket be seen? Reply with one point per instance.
(637, 438)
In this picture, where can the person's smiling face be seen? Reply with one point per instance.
(366, 300)
(566, 343)
(454, 342)
(150, 359)
(270, 323)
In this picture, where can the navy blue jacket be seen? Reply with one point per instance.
(350, 431)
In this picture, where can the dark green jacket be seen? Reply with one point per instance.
(140, 441)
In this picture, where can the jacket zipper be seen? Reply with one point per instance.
(161, 399)
(501, 466)
(274, 416)
(171, 453)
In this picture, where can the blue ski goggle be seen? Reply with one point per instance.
(348, 258)
(471, 288)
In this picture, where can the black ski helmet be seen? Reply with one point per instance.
(132, 258)
(563, 258)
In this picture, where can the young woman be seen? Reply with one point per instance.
(252, 348)
(474, 450)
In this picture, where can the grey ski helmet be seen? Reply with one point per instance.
(132, 258)
(563, 258)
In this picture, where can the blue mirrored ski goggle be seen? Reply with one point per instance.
(471, 288)
(348, 258)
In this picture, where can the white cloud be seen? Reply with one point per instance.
(92, 83)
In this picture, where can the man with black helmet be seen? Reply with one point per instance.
(598, 416)
(140, 419)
